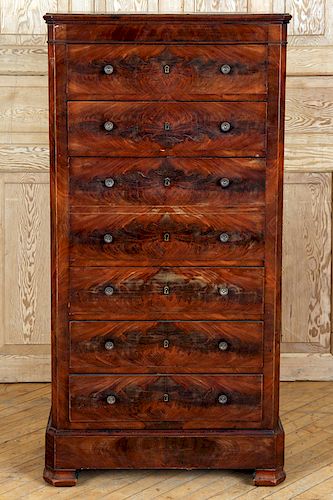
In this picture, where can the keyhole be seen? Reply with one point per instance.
(167, 126)
(166, 290)
(166, 237)
(166, 69)
(166, 343)
(166, 398)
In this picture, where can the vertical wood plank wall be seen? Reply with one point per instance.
(24, 197)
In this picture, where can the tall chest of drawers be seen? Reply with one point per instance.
(166, 138)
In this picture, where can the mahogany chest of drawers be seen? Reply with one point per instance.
(166, 135)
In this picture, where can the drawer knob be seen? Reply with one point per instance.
(166, 343)
(108, 238)
(108, 69)
(109, 182)
(109, 290)
(109, 345)
(166, 69)
(167, 126)
(111, 400)
(166, 237)
(224, 237)
(224, 182)
(223, 290)
(222, 399)
(225, 69)
(223, 345)
(166, 290)
(167, 182)
(166, 398)
(225, 126)
(109, 126)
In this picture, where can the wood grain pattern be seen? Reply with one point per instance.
(192, 399)
(167, 237)
(194, 182)
(194, 293)
(308, 17)
(194, 72)
(139, 129)
(307, 280)
(140, 347)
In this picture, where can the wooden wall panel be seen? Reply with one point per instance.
(309, 164)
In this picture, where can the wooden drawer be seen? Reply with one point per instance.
(206, 182)
(198, 400)
(166, 293)
(163, 237)
(166, 72)
(166, 347)
(168, 128)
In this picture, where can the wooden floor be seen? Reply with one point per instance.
(307, 415)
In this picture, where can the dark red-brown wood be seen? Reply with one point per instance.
(164, 237)
(166, 347)
(166, 159)
(193, 293)
(190, 400)
(194, 72)
(139, 128)
(166, 182)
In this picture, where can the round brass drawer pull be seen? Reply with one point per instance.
(109, 182)
(224, 237)
(224, 182)
(223, 345)
(223, 399)
(225, 69)
(109, 290)
(108, 126)
(108, 238)
(111, 400)
(108, 69)
(109, 345)
(223, 291)
(225, 126)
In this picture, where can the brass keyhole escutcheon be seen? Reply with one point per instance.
(166, 237)
(166, 343)
(167, 126)
(166, 398)
(166, 69)
(166, 290)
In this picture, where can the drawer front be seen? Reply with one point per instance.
(166, 293)
(166, 72)
(207, 182)
(167, 238)
(162, 129)
(166, 347)
(194, 399)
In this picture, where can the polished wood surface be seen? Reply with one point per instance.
(143, 401)
(143, 262)
(194, 72)
(139, 128)
(166, 347)
(166, 182)
(192, 293)
(167, 238)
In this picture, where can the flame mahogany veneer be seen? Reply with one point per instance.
(166, 138)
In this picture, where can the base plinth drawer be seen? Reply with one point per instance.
(166, 293)
(194, 399)
(166, 347)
